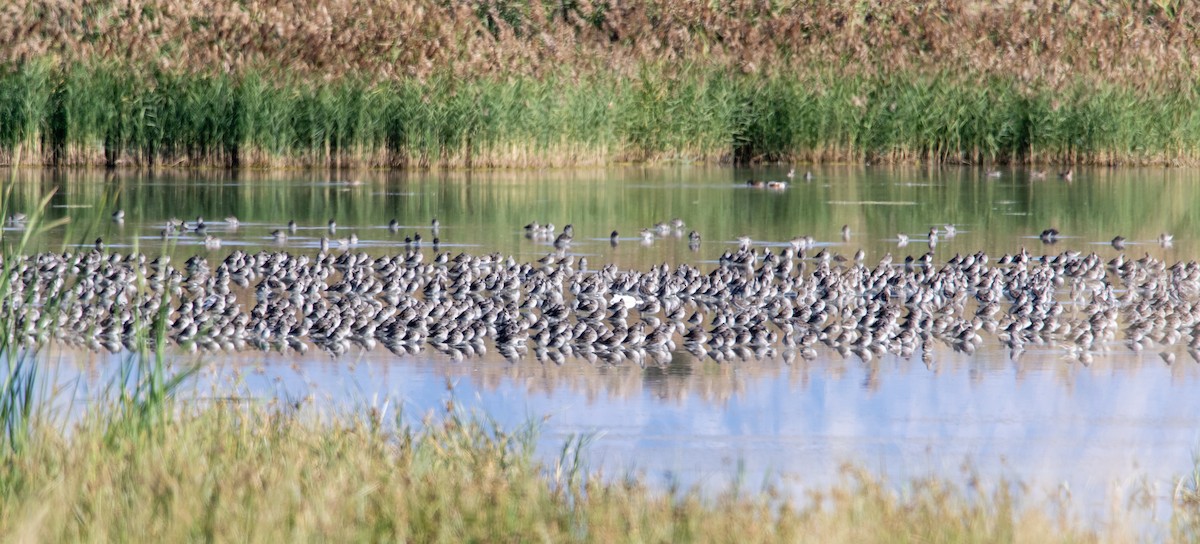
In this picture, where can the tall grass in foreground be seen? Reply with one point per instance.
(231, 473)
(22, 391)
(107, 115)
(138, 394)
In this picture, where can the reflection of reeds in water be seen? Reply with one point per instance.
(489, 206)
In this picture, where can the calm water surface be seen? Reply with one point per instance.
(1124, 429)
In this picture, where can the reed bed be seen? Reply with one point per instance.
(114, 116)
(520, 83)
(230, 472)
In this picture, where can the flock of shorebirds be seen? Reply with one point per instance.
(786, 301)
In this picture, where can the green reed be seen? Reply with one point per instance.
(106, 114)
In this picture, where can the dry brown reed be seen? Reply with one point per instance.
(1048, 44)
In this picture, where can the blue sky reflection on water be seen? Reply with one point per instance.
(1101, 433)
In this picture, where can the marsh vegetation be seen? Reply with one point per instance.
(492, 84)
